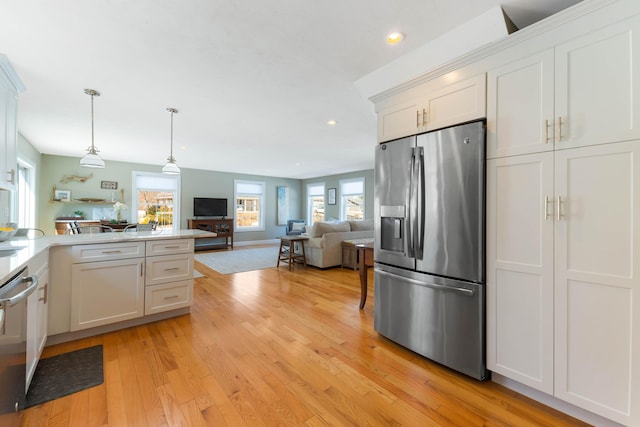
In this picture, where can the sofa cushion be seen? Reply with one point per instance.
(308, 231)
(366, 224)
(320, 228)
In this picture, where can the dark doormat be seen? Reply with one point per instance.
(65, 374)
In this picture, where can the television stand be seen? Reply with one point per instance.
(222, 227)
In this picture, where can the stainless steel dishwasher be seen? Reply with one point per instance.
(13, 345)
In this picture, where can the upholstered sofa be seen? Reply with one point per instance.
(324, 247)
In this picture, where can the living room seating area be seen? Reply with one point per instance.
(324, 247)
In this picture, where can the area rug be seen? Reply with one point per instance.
(197, 274)
(239, 260)
(64, 374)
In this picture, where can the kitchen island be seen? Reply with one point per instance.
(107, 281)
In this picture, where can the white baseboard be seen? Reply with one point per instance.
(555, 403)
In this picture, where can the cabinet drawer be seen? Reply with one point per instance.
(106, 251)
(168, 296)
(169, 247)
(169, 268)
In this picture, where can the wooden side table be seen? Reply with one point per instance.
(350, 252)
(290, 255)
(365, 255)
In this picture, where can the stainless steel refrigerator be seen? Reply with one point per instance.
(430, 245)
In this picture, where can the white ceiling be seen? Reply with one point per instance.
(255, 81)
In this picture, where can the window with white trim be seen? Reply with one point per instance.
(352, 199)
(26, 195)
(315, 202)
(156, 198)
(250, 205)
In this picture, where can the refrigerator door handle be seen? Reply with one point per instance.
(419, 209)
(463, 291)
(411, 217)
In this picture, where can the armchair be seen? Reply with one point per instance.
(295, 227)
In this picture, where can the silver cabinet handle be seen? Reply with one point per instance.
(425, 117)
(559, 128)
(172, 269)
(171, 297)
(546, 131)
(45, 294)
(417, 118)
(172, 247)
(559, 208)
(111, 252)
(546, 207)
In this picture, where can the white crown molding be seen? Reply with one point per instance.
(5, 65)
(554, 21)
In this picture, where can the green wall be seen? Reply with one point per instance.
(194, 183)
(333, 181)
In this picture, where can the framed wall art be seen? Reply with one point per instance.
(331, 196)
(282, 205)
(62, 195)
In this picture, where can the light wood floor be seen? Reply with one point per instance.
(273, 347)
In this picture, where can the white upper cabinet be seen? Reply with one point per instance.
(433, 106)
(400, 120)
(10, 85)
(520, 106)
(456, 103)
(598, 87)
(580, 93)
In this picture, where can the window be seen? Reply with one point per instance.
(315, 202)
(250, 205)
(26, 196)
(156, 198)
(352, 199)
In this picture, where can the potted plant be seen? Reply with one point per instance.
(79, 214)
(118, 207)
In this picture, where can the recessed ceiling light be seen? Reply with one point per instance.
(394, 38)
(331, 122)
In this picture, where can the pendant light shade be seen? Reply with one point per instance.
(171, 168)
(91, 159)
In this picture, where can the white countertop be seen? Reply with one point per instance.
(12, 261)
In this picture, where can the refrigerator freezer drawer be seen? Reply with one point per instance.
(439, 318)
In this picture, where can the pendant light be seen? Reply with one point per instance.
(171, 168)
(92, 160)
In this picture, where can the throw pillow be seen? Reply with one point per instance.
(297, 226)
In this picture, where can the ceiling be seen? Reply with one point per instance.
(255, 82)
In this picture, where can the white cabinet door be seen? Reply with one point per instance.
(168, 296)
(520, 107)
(597, 280)
(456, 103)
(8, 160)
(597, 87)
(402, 119)
(169, 268)
(520, 269)
(37, 314)
(434, 106)
(106, 292)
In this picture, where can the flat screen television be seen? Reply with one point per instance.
(207, 206)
